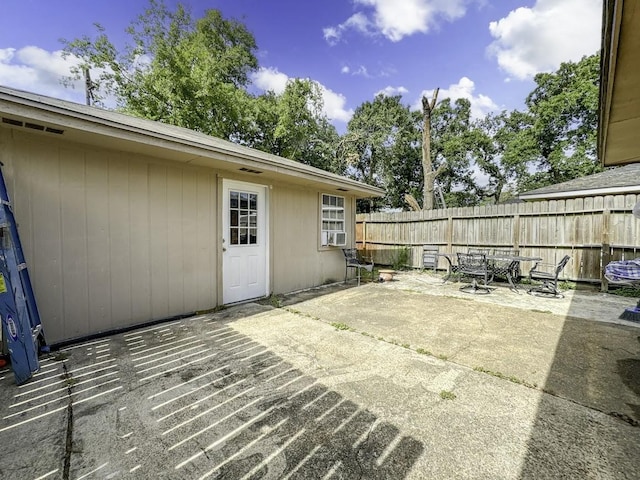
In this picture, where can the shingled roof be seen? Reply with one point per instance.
(614, 181)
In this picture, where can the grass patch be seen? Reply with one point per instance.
(423, 351)
(510, 378)
(274, 300)
(298, 312)
(405, 345)
(566, 285)
(341, 326)
(442, 356)
(60, 356)
(541, 311)
(447, 395)
(626, 292)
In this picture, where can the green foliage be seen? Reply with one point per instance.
(401, 258)
(194, 73)
(447, 395)
(502, 376)
(302, 132)
(626, 292)
(496, 152)
(341, 326)
(561, 141)
(454, 139)
(379, 148)
(175, 69)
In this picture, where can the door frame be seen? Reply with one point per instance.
(223, 184)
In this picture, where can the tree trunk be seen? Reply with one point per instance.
(427, 167)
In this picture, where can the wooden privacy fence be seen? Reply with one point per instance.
(592, 230)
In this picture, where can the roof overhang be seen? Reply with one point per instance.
(580, 193)
(619, 115)
(113, 130)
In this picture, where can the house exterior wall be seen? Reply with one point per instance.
(295, 222)
(113, 239)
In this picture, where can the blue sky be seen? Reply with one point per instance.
(486, 51)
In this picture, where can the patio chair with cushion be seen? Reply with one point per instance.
(474, 265)
(355, 261)
(547, 273)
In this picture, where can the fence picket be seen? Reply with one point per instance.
(548, 229)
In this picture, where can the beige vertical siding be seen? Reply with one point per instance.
(111, 239)
(298, 260)
(114, 239)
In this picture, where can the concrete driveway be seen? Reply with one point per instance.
(409, 379)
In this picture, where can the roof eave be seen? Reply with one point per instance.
(49, 110)
(580, 193)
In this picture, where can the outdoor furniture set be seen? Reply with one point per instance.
(483, 265)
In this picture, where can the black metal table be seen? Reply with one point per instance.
(509, 271)
(511, 266)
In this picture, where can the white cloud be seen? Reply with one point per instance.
(39, 71)
(538, 39)
(358, 22)
(390, 91)
(345, 69)
(480, 104)
(396, 19)
(334, 105)
(271, 79)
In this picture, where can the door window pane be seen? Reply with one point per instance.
(243, 213)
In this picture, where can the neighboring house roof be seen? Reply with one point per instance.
(619, 109)
(614, 181)
(110, 129)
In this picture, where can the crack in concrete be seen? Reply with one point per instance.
(360, 447)
(69, 434)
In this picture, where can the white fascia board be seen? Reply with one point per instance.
(581, 193)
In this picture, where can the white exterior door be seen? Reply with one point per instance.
(244, 245)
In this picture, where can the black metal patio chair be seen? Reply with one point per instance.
(474, 265)
(547, 273)
(505, 268)
(355, 261)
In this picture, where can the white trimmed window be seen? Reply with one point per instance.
(333, 221)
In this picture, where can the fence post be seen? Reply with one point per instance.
(605, 251)
(364, 233)
(515, 239)
(449, 233)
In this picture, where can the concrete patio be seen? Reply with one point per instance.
(407, 379)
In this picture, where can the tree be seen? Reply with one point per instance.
(498, 152)
(292, 125)
(175, 69)
(564, 111)
(453, 144)
(428, 173)
(379, 138)
(302, 131)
